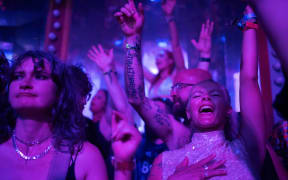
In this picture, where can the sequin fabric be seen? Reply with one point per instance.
(204, 144)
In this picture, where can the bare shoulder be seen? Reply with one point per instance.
(90, 150)
(90, 163)
(156, 170)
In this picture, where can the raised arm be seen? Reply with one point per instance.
(131, 21)
(148, 75)
(252, 110)
(204, 45)
(273, 17)
(104, 61)
(168, 8)
(126, 140)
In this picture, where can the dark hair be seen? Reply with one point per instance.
(67, 123)
(4, 70)
(81, 80)
(5, 109)
(281, 102)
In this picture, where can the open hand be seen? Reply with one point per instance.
(204, 43)
(104, 60)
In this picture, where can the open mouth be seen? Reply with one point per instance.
(206, 109)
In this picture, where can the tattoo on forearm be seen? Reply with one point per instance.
(146, 105)
(131, 89)
(161, 117)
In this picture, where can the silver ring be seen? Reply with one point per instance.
(205, 167)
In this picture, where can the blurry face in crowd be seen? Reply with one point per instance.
(32, 89)
(207, 107)
(183, 82)
(99, 102)
(163, 61)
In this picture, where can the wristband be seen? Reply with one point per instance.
(135, 47)
(247, 20)
(250, 16)
(250, 25)
(205, 59)
(123, 166)
(108, 72)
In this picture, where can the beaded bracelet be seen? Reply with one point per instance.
(134, 47)
(248, 21)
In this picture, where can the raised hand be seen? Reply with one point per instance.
(204, 169)
(168, 6)
(104, 60)
(125, 137)
(204, 43)
(131, 19)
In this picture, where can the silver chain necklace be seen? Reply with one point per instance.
(32, 143)
(22, 155)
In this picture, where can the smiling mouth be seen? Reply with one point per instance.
(206, 109)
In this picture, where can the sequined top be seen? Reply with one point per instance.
(204, 144)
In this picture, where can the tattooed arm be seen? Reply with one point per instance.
(131, 21)
(104, 61)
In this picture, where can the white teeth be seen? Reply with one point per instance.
(206, 107)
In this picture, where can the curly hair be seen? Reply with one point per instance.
(68, 125)
(81, 80)
(4, 70)
(6, 111)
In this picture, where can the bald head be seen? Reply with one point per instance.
(185, 79)
(192, 76)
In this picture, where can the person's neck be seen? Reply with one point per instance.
(213, 135)
(97, 116)
(30, 129)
